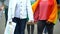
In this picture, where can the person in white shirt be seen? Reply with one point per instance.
(17, 12)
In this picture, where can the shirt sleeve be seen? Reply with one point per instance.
(11, 9)
(29, 10)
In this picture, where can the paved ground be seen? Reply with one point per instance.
(56, 29)
(2, 24)
(2, 27)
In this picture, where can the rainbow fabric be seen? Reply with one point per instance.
(53, 16)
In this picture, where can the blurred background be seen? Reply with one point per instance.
(5, 3)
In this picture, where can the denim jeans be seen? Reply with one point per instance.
(41, 25)
(58, 1)
(20, 25)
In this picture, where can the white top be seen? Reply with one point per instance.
(20, 9)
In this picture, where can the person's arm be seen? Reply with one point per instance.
(11, 9)
(29, 10)
(53, 15)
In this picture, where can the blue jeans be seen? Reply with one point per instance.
(20, 25)
(41, 25)
(58, 1)
(45, 30)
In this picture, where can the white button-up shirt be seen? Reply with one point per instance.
(20, 9)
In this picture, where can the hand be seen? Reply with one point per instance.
(48, 22)
(9, 20)
(35, 22)
(31, 21)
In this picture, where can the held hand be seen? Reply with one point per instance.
(31, 21)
